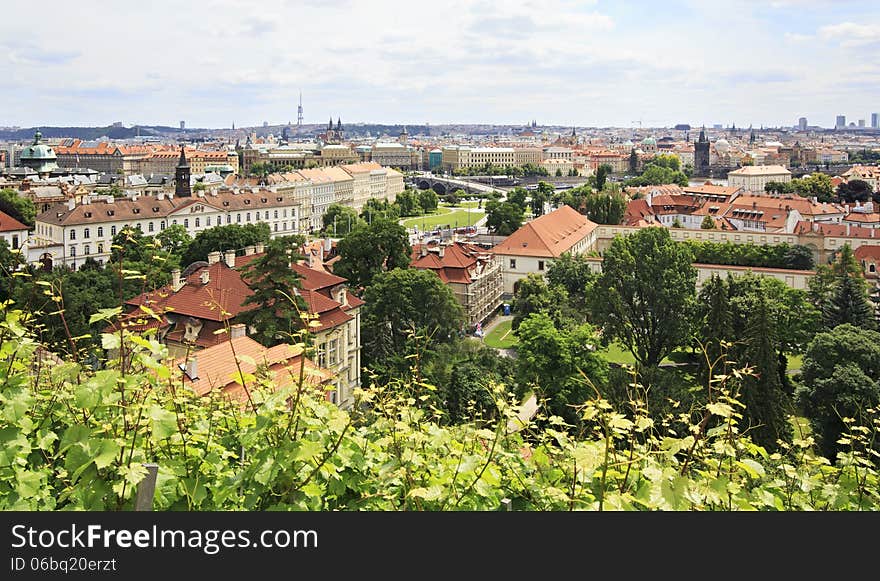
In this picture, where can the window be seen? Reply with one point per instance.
(871, 267)
(197, 223)
(332, 354)
(162, 225)
(247, 216)
(174, 222)
(276, 213)
(100, 231)
(540, 265)
(150, 227)
(228, 218)
(100, 248)
(87, 232)
(322, 355)
(15, 241)
(208, 221)
(186, 222)
(112, 230)
(285, 212)
(512, 263)
(267, 214)
(73, 234)
(72, 251)
(87, 250)
(276, 226)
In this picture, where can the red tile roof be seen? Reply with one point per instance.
(10, 224)
(549, 235)
(217, 367)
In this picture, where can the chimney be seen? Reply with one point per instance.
(248, 250)
(191, 368)
(71, 203)
(229, 258)
(441, 250)
(259, 248)
(423, 250)
(237, 330)
(175, 279)
(328, 246)
(205, 276)
(847, 229)
(214, 257)
(311, 257)
(160, 196)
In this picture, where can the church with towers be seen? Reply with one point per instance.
(334, 135)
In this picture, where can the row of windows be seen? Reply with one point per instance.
(87, 250)
(86, 232)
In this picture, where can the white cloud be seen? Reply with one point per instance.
(571, 61)
(851, 34)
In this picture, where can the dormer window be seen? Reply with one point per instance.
(88, 214)
(136, 210)
(110, 212)
(264, 200)
(155, 208)
(225, 203)
(247, 201)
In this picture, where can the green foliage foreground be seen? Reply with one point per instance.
(74, 439)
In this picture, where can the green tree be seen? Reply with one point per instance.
(540, 196)
(533, 295)
(765, 415)
(260, 169)
(559, 365)
(841, 379)
(222, 238)
(15, 206)
(371, 249)
(708, 223)
(276, 303)
(816, 185)
(452, 198)
(633, 161)
(405, 310)
(503, 218)
(573, 272)
(376, 209)
(408, 203)
(518, 196)
(428, 201)
(849, 303)
(175, 240)
(854, 191)
(605, 208)
(602, 173)
(645, 295)
(715, 330)
(339, 220)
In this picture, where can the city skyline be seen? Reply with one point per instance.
(588, 64)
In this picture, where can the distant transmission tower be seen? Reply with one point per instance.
(299, 112)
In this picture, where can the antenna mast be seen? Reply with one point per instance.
(299, 112)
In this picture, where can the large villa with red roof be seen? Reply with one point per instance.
(533, 247)
(208, 296)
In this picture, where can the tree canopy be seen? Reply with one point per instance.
(370, 249)
(645, 295)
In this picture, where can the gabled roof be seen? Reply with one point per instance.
(10, 224)
(217, 367)
(549, 235)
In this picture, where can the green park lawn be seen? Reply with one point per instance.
(443, 216)
(501, 337)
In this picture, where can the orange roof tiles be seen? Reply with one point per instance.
(217, 367)
(10, 224)
(549, 235)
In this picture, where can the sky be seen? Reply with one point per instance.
(560, 62)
